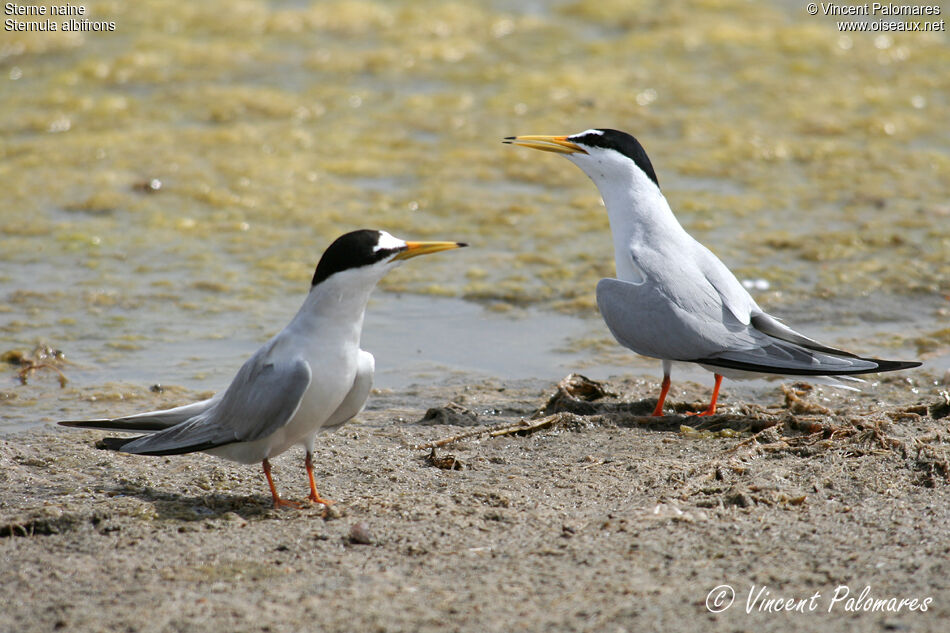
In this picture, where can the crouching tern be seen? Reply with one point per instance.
(672, 298)
(308, 379)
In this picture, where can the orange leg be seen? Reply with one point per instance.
(664, 389)
(712, 404)
(278, 502)
(314, 497)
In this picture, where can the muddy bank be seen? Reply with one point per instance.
(591, 518)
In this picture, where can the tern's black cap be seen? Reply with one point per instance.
(351, 250)
(621, 142)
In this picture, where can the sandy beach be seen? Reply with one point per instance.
(562, 508)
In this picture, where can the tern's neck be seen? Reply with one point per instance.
(639, 215)
(335, 306)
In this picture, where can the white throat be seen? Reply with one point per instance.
(638, 211)
(335, 307)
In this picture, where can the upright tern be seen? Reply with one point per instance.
(310, 378)
(673, 299)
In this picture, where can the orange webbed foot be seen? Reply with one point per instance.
(286, 503)
(711, 409)
(315, 498)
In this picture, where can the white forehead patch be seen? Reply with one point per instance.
(388, 242)
(586, 132)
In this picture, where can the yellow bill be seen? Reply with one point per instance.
(556, 144)
(414, 249)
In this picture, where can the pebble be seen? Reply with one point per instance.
(360, 534)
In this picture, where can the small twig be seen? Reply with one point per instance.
(445, 441)
(497, 430)
(524, 426)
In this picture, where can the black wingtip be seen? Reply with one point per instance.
(119, 444)
(117, 424)
(83, 424)
(882, 366)
(894, 365)
(180, 450)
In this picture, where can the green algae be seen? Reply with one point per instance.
(814, 160)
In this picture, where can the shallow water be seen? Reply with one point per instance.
(813, 161)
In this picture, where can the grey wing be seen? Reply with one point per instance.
(780, 357)
(356, 399)
(767, 324)
(782, 350)
(731, 293)
(645, 319)
(149, 421)
(774, 346)
(263, 397)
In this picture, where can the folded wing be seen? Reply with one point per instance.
(648, 321)
(148, 422)
(263, 397)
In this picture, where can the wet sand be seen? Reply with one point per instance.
(599, 519)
